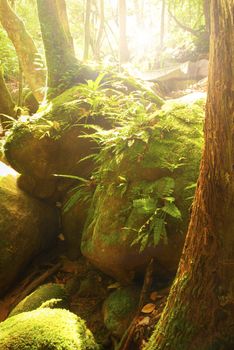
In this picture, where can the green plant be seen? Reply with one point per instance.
(156, 201)
(81, 192)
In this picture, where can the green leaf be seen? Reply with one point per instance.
(145, 205)
(165, 186)
(144, 242)
(159, 229)
(172, 210)
(74, 177)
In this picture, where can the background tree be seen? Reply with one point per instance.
(87, 37)
(199, 310)
(25, 48)
(123, 42)
(100, 33)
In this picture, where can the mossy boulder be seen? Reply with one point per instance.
(50, 295)
(143, 180)
(46, 329)
(50, 143)
(120, 308)
(27, 227)
(54, 140)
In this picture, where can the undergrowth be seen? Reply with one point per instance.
(140, 136)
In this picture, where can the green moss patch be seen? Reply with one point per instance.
(46, 329)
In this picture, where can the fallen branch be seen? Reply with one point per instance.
(10, 301)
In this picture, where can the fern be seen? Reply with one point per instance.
(157, 202)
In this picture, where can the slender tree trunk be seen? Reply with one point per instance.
(162, 24)
(123, 43)
(98, 42)
(24, 46)
(199, 311)
(60, 58)
(87, 30)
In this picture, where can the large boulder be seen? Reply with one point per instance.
(54, 141)
(27, 227)
(46, 329)
(142, 183)
(49, 143)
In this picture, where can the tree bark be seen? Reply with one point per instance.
(62, 12)
(199, 311)
(24, 46)
(60, 58)
(123, 43)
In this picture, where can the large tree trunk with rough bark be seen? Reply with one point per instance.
(25, 48)
(63, 69)
(60, 59)
(199, 313)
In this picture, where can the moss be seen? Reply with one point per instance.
(46, 329)
(54, 292)
(120, 308)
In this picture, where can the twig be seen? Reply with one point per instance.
(16, 296)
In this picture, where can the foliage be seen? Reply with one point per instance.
(138, 133)
(170, 139)
(8, 58)
(157, 201)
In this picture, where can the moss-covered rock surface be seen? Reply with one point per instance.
(46, 329)
(50, 295)
(145, 183)
(120, 308)
(53, 141)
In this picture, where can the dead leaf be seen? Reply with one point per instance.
(144, 321)
(148, 308)
(155, 296)
(114, 285)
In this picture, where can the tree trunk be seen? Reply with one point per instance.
(87, 30)
(60, 58)
(162, 24)
(6, 103)
(62, 12)
(123, 43)
(206, 9)
(200, 307)
(24, 46)
(98, 42)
